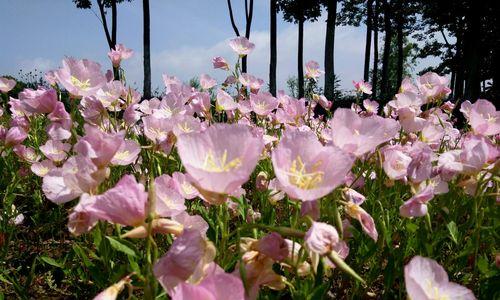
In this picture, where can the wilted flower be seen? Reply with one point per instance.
(220, 63)
(321, 238)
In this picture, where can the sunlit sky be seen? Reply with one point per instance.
(185, 35)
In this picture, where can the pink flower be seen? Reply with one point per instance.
(221, 158)
(407, 99)
(60, 126)
(183, 186)
(409, 120)
(182, 124)
(425, 279)
(310, 208)
(263, 103)
(420, 167)
(251, 81)
(321, 100)
(6, 84)
(42, 168)
(194, 222)
(119, 53)
(185, 260)
(207, 82)
(396, 162)
(112, 292)
(305, 168)
(354, 210)
(371, 106)
(225, 101)
(433, 87)
(80, 77)
(273, 246)
(484, 118)
(123, 204)
(321, 238)
(26, 153)
(127, 153)
(220, 63)
(312, 70)
(99, 146)
(15, 135)
(55, 150)
(358, 135)
(416, 206)
(168, 201)
(362, 87)
(477, 150)
(157, 129)
(80, 220)
(41, 101)
(109, 95)
(241, 45)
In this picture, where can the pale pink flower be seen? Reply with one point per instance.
(396, 162)
(362, 87)
(357, 135)
(225, 101)
(60, 126)
(484, 118)
(371, 106)
(185, 260)
(42, 168)
(80, 220)
(50, 77)
(112, 292)
(312, 70)
(183, 124)
(80, 77)
(183, 186)
(241, 45)
(251, 81)
(273, 246)
(194, 222)
(408, 86)
(221, 158)
(449, 164)
(123, 204)
(40, 101)
(292, 111)
(109, 95)
(15, 135)
(263, 103)
(207, 82)
(321, 238)
(168, 201)
(157, 129)
(220, 63)
(310, 208)
(476, 152)
(305, 168)
(26, 153)
(321, 100)
(433, 87)
(55, 150)
(425, 279)
(354, 210)
(171, 104)
(6, 84)
(92, 110)
(420, 167)
(200, 103)
(99, 146)
(127, 153)
(407, 99)
(416, 206)
(119, 53)
(409, 119)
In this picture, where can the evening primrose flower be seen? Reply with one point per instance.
(484, 118)
(6, 84)
(425, 279)
(321, 238)
(312, 70)
(119, 53)
(357, 135)
(362, 87)
(207, 82)
(263, 103)
(305, 168)
(220, 159)
(80, 77)
(241, 45)
(433, 87)
(354, 210)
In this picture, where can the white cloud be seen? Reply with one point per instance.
(38, 63)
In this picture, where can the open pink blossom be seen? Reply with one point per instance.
(371, 106)
(42, 168)
(123, 204)
(241, 45)
(168, 201)
(312, 70)
(433, 87)
(305, 168)
(225, 101)
(157, 129)
(182, 124)
(416, 206)
(409, 119)
(251, 82)
(263, 103)
(425, 279)
(220, 63)
(194, 222)
(127, 153)
(207, 82)
(420, 167)
(357, 135)
(26, 153)
(60, 126)
(40, 101)
(15, 135)
(321, 238)
(6, 84)
(99, 146)
(484, 118)
(109, 95)
(55, 150)
(321, 100)
(396, 162)
(185, 260)
(407, 99)
(80, 220)
(80, 77)
(119, 53)
(362, 87)
(221, 158)
(183, 186)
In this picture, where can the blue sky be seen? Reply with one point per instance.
(185, 35)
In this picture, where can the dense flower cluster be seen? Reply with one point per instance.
(217, 136)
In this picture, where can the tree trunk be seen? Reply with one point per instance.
(472, 54)
(330, 49)
(400, 50)
(368, 43)
(231, 16)
(114, 17)
(300, 59)
(387, 48)
(248, 18)
(458, 87)
(100, 3)
(147, 50)
(375, 51)
(273, 54)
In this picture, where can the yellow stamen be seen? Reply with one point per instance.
(212, 164)
(302, 179)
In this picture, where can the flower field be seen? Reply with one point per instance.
(220, 190)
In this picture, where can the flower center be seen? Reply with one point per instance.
(220, 164)
(83, 85)
(301, 178)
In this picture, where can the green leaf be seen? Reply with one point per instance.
(118, 246)
(81, 253)
(482, 265)
(452, 228)
(51, 261)
(411, 227)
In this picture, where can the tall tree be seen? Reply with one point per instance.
(300, 11)
(388, 29)
(248, 26)
(331, 8)
(273, 47)
(375, 48)
(147, 49)
(368, 41)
